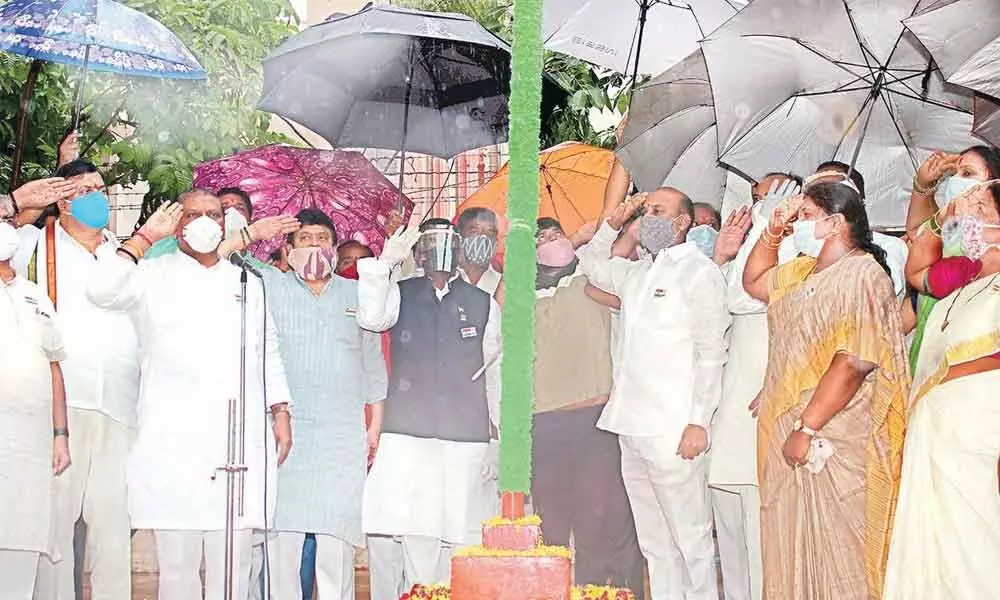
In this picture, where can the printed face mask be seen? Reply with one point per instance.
(555, 253)
(656, 233)
(479, 249)
(312, 263)
(203, 235)
(704, 237)
(91, 209)
(967, 232)
(9, 241)
(235, 221)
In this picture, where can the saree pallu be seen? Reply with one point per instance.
(825, 536)
(946, 542)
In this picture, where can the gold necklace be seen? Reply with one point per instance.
(947, 314)
(842, 257)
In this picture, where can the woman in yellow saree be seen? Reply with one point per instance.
(946, 540)
(833, 408)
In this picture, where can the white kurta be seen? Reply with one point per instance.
(188, 319)
(30, 342)
(734, 443)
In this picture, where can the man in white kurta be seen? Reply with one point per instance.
(667, 385)
(433, 479)
(101, 371)
(30, 389)
(187, 309)
(733, 469)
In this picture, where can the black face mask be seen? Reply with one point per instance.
(547, 277)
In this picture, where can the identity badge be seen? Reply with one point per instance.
(469, 332)
(659, 293)
(351, 312)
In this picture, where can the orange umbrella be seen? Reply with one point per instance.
(572, 177)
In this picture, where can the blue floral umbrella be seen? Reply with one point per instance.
(99, 35)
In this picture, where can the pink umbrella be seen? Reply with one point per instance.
(284, 180)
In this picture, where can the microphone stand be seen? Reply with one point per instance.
(235, 467)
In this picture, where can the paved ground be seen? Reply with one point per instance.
(144, 586)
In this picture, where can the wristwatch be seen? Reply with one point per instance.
(798, 425)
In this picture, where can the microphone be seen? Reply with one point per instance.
(241, 260)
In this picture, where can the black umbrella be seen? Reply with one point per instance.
(387, 77)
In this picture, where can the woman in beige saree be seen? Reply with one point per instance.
(837, 380)
(946, 536)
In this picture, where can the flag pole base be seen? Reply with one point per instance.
(512, 505)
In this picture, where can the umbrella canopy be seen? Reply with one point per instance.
(101, 35)
(860, 89)
(608, 32)
(670, 138)
(986, 124)
(387, 77)
(963, 36)
(284, 180)
(571, 184)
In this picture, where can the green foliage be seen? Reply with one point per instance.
(156, 130)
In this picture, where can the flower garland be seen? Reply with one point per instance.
(526, 521)
(579, 592)
(540, 551)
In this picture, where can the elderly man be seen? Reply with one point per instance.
(187, 308)
(433, 480)
(101, 372)
(733, 469)
(667, 386)
(238, 212)
(334, 369)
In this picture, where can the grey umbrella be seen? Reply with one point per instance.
(796, 83)
(670, 138)
(986, 122)
(387, 77)
(963, 36)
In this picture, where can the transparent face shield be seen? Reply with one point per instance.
(438, 250)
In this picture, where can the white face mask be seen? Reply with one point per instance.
(203, 235)
(234, 222)
(955, 186)
(9, 241)
(804, 238)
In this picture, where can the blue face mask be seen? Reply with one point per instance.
(955, 186)
(91, 209)
(704, 237)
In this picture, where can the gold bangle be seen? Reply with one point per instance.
(922, 190)
(773, 236)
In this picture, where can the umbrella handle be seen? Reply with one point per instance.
(78, 108)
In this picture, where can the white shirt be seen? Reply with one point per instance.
(101, 369)
(672, 343)
(489, 282)
(188, 318)
(378, 310)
